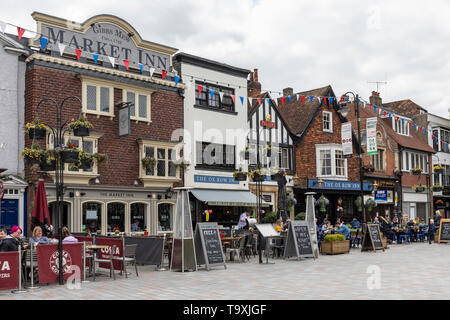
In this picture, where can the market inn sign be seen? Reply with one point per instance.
(105, 35)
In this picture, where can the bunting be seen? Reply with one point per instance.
(78, 52)
(61, 47)
(152, 70)
(242, 100)
(163, 74)
(211, 93)
(95, 56)
(232, 98)
(126, 63)
(112, 60)
(141, 67)
(200, 90)
(44, 42)
(221, 95)
(20, 32)
(177, 79)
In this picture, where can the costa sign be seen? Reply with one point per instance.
(48, 261)
(9, 270)
(105, 35)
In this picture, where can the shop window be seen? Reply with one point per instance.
(165, 217)
(116, 217)
(138, 217)
(92, 217)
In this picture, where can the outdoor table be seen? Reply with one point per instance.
(95, 248)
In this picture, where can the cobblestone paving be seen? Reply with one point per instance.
(408, 271)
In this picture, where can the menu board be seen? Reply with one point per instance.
(298, 242)
(208, 246)
(444, 230)
(372, 238)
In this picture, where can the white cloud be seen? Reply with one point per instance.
(299, 44)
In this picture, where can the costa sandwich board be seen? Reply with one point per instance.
(298, 241)
(208, 245)
(372, 238)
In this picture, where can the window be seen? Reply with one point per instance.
(212, 155)
(97, 98)
(214, 102)
(92, 217)
(330, 161)
(327, 121)
(284, 158)
(401, 126)
(165, 217)
(436, 146)
(138, 217)
(116, 217)
(141, 104)
(412, 160)
(378, 161)
(445, 137)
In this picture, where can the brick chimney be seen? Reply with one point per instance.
(253, 86)
(288, 92)
(375, 99)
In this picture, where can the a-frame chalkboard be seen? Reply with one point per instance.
(298, 241)
(372, 238)
(444, 231)
(208, 245)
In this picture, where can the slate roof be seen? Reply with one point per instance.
(405, 107)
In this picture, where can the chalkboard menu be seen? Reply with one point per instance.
(208, 246)
(372, 238)
(298, 242)
(444, 231)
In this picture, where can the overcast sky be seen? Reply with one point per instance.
(299, 44)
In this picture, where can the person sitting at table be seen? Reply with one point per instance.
(386, 228)
(356, 224)
(343, 229)
(376, 221)
(411, 231)
(37, 237)
(395, 223)
(13, 241)
(135, 226)
(327, 228)
(67, 238)
(279, 225)
(286, 225)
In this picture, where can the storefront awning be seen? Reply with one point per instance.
(230, 198)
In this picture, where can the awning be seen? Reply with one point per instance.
(232, 198)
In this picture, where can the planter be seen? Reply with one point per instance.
(335, 247)
(259, 177)
(47, 167)
(81, 132)
(439, 171)
(240, 177)
(69, 156)
(86, 164)
(33, 160)
(420, 189)
(416, 173)
(37, 133)
(437, 189)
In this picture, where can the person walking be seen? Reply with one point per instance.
(431, 231)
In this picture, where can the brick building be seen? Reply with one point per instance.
(116, 193)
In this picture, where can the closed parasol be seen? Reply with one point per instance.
(40, 216)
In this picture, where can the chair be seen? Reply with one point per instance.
(27, 265)
(89, 256)
(129, 256)
(238, 249)
(421, 234)
(250, 247)
(278, 246)
(110, 261)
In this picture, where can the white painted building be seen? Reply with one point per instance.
(12, 100)
(215, 123)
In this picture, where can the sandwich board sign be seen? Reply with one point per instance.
(298, 241)
(444, 231)
(372, 238)
(208, 246)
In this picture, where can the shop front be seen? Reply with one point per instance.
(384, 196)
(415, 204)
(341, 196)
(441, 201)
(107, 211)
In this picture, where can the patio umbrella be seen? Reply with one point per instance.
(40, 216)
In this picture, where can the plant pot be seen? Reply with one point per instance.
(69, 156)
(276, 176)
(81, 131)
(420, 189)
(247, 155)
(335, 247)
(33, 160)
(416, 173)
(259, 177)
(437, 189)
(47, 167)
(439, 171)
(240, 177)
(37, 133)
(86, 164)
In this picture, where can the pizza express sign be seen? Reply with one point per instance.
(104, 35)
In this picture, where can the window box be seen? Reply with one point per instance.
(437, 188)
(418, 188)
(240, 175)
(81, 132)
(416, 171)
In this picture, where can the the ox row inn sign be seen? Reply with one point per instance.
(105, 35)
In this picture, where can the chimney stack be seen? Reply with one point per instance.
(253, 86)
(375, 99)
(288, 92)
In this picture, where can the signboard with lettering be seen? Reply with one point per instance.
(381, 195)
(124, 121)
(298, 242)
(347, 144)
(208, 246)
(214, 179)
(340, 185)
(105, 35)
(267, 124)
(372, 238)
(371, 125)
(444, 231)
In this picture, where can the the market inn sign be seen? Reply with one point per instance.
(105, 35)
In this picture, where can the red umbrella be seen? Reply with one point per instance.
(40, 216)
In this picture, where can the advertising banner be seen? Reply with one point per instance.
(347, 147)
(105, 253)
(9, 270)
(48, 261)
(371, 126)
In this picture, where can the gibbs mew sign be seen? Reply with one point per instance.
(105, 35)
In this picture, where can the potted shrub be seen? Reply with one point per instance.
(418, 188)
(335, 244)
(33, 155)
(240, 175)
(36, 129)
(437, 187)
(358, 204)
(48, 163)
(322, 202)
(257, 175)
(80, 127)
(370, 204)
(438, 169)
(148, 162)
(69, 153)
(416, 171)
(278, 174)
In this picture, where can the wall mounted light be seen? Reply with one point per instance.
(97, 180)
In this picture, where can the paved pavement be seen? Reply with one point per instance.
(407, 271)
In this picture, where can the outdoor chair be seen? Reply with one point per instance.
(250, 247)
(129, 256)
(97, 260)
(354, 239)
(421, 234)
(277, 247)
(89, 256)
(27, 266)
(237, 250)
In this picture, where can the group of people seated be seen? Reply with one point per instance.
(340, 227)
(15, 239)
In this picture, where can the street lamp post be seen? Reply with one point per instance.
(344, 111)
(59, 132)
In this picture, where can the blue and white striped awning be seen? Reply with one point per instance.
(232, 198)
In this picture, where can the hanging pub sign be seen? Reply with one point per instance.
(208, 246)
(268, 123)
(298, 242)
(347, 146)
(124, 121)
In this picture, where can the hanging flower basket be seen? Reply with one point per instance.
(69, 153)
(183, 164)
(80, 127)
(358, 204)
(257, 175)
(148, 162)
(100, 157)
(240, 175)
(36, 130)
(322, 202)
(247, 153)
(47, 164)
(278, 174)
(418, 188)
(438, 169)
(370, 204)
(33, 155)
(437, 188)
(416, 171)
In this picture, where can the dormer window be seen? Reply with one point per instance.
(401, 125)
(327, 121)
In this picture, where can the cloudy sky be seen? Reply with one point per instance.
(299, 44)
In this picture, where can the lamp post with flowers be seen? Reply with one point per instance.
(63, 153)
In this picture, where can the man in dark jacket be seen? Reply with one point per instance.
(431, 231)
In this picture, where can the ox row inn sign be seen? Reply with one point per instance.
(105, 35)
(339, 185)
